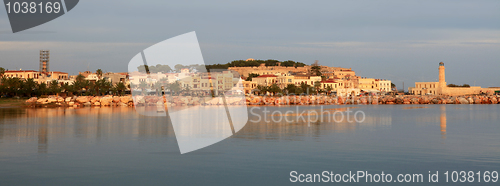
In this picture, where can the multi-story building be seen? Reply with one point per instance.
(37, 76)
(385, 85)
(441, 88)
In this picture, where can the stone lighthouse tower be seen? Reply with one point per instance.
(442, 79)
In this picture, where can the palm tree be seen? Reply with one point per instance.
(2, 71)
(99, 73)
(290, 89)
(304, 87)
(29, 86)
(54, 87)
(262, 89)
(42, 89)
(80, 78)
(274, 89)
(329, 89)
(317, 86)
(120, 87)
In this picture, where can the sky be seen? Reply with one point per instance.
(402, 41)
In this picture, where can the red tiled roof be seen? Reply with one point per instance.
(328, 81)
(57, 72)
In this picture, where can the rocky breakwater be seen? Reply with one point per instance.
(80, 101)
(129, 101)
(374, 100)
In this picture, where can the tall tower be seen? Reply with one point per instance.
(44, 61)
(442, 79)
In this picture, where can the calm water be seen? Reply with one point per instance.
(116, 146)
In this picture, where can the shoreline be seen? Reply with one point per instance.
(128, 101)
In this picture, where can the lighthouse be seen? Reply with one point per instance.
(442, 78)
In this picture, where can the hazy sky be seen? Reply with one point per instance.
(396, 40)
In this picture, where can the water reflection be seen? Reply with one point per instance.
(443, 121)
(93, 124)
(288, 123)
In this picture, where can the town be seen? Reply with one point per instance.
(264, 77)
(263, 82)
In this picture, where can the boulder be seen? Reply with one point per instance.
(494, 100)
(87, 104)
(125, 99)
(32, 100)
(463, 101)
(51, 100)
(82, 99)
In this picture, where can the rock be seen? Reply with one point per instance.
(71, 103)
(82, 99)
(435, 101)
(494, 100)
(399, 101)
(87, 104)
(96, 103)
(121, 104)
(51, 100)
(116, 99)
(32, 100)
(68, 99)
(463, 101)
(125, 99)
(95, 99)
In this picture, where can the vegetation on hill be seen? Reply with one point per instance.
(453, 85)
(254, 63)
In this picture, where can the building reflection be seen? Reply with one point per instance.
(46, 125)
(442, 120)
(291, 125)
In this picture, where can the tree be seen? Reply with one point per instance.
(143, 85)
(80, 78)
(290, 89)
(316, 69)
(29, 87)
(329, 89)
(69, 89)
(54, 87)
(251, 76)
(262, 89)
(120, 87)
(187, 90)
(42, 89)
(99, 73)
(2, 71)
(274, 89)
(174, 87)
(305, 88)
(143, 68)
(178, 67)
(317, 86)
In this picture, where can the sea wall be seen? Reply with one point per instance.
(128, 101)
